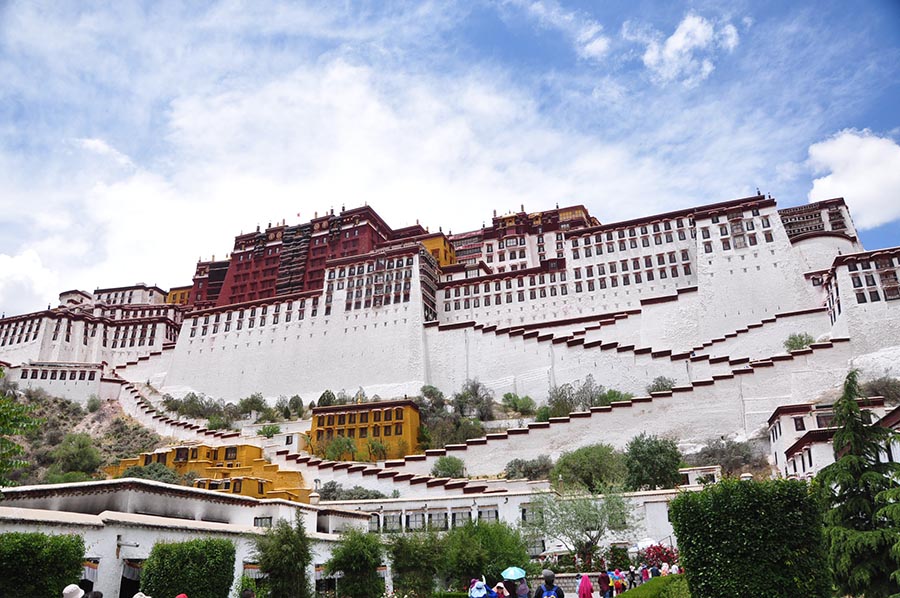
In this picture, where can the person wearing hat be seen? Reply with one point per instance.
(181, 596)
(72, 591)
(480, 590)
(141, 595)
(500, 589)
(549, 589)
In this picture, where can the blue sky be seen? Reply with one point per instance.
(136, 138)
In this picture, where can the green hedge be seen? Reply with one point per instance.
(35, 564)
(451, 595)
(744, 538)
(199, 568)
(670, 586)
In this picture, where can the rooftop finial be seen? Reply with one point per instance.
(757, 191)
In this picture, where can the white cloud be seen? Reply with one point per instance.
(25, 282)
(686, 55)
(102, 148)
(864, 169)
(585, 33)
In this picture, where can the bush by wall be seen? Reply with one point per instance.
(671, 586)
(200, 568)
(35, 564)
(744, 538)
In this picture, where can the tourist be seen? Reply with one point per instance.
(500, 589)
(632, 577)
(618, 585)
(645, 573)
(665, 569)
(522, 590)
(603, 584)
(72, 591)
(654, 571)
(585, 588)
(549, 589)
(674, 570)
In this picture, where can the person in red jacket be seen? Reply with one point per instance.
(603, 585)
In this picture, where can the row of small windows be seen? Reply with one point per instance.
(441, 520)
(635, 264)
(342, 419)
(633, 231)
(362, 432)
(254, 316)
(635, 277)
(533, 280)
(19, 332)
(738, 242)
(379, 264)
(58, 374)
(533, 293)
(589, 251)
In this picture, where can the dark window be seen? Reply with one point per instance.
(798, 424)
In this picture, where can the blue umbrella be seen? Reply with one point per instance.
(513, 573)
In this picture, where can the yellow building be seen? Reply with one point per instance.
(439, 246)
(239, 469)
(380, 430)
(179, 295)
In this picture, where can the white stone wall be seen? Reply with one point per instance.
(818, 253)
(76, 390)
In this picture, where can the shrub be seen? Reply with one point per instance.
(542, 414)
(616, 557)
(334, 491)
(357, 556)
(448, 467)
(886, 387)
(532, 469)
(254, 402)
(671, 586)
(661, 383)
(730, 533)
(35, 564)
(797, 341)
(270, 430)
(155, 471)
(93, 404)
(76, 453)
(205, 568)
(340, 447)
(513, 403)
(733, 456)
(657, 555)
(589, 467)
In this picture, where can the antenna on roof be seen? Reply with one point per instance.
(557, 205)
(757, 191)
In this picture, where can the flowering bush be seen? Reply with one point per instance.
(657, 555)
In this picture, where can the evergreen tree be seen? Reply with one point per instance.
(357, 557)
(651, 462)
(284, 553)
(858, 532)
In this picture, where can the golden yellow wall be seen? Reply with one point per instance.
(179, 295)
(439, 246)
(362, 422)
(239, 462)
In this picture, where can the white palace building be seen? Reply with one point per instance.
(705, 296)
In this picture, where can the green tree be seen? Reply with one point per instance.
(357, 557)
(416, 560)
(734, 457)
(295, 404)
(327, 399)
(513, 403)
(203, 567)
(589, 468)
(155, 471)
(798, 340)
(579, 520)
(254, 402)
(533, 469)
(479, 548)
(284, 554)
(859, 536)
(282, 408)
(76, 453)
(15, 419)
(651, 462)
(448, 467)
(93, 404)
(36, 564)
(339, 448)
(747, 538)
(474, 398)
(661, 383)
(377, 450)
